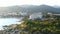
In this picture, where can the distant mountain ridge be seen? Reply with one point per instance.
(28, 9)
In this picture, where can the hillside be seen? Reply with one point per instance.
(13, 11)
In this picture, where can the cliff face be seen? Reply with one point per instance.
(13, 31)
(17, 31)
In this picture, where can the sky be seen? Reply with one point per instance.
(4, 3)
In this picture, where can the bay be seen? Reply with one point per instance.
(8, 21)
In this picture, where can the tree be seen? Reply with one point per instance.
(46, 27)
(37, 26)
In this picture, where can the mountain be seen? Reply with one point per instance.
(41, 8)
(29, 8)
(32, 8)
(17, 10)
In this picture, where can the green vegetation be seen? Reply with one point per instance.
(37, 26)
(49, 26)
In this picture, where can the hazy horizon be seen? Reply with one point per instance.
(5, 3)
